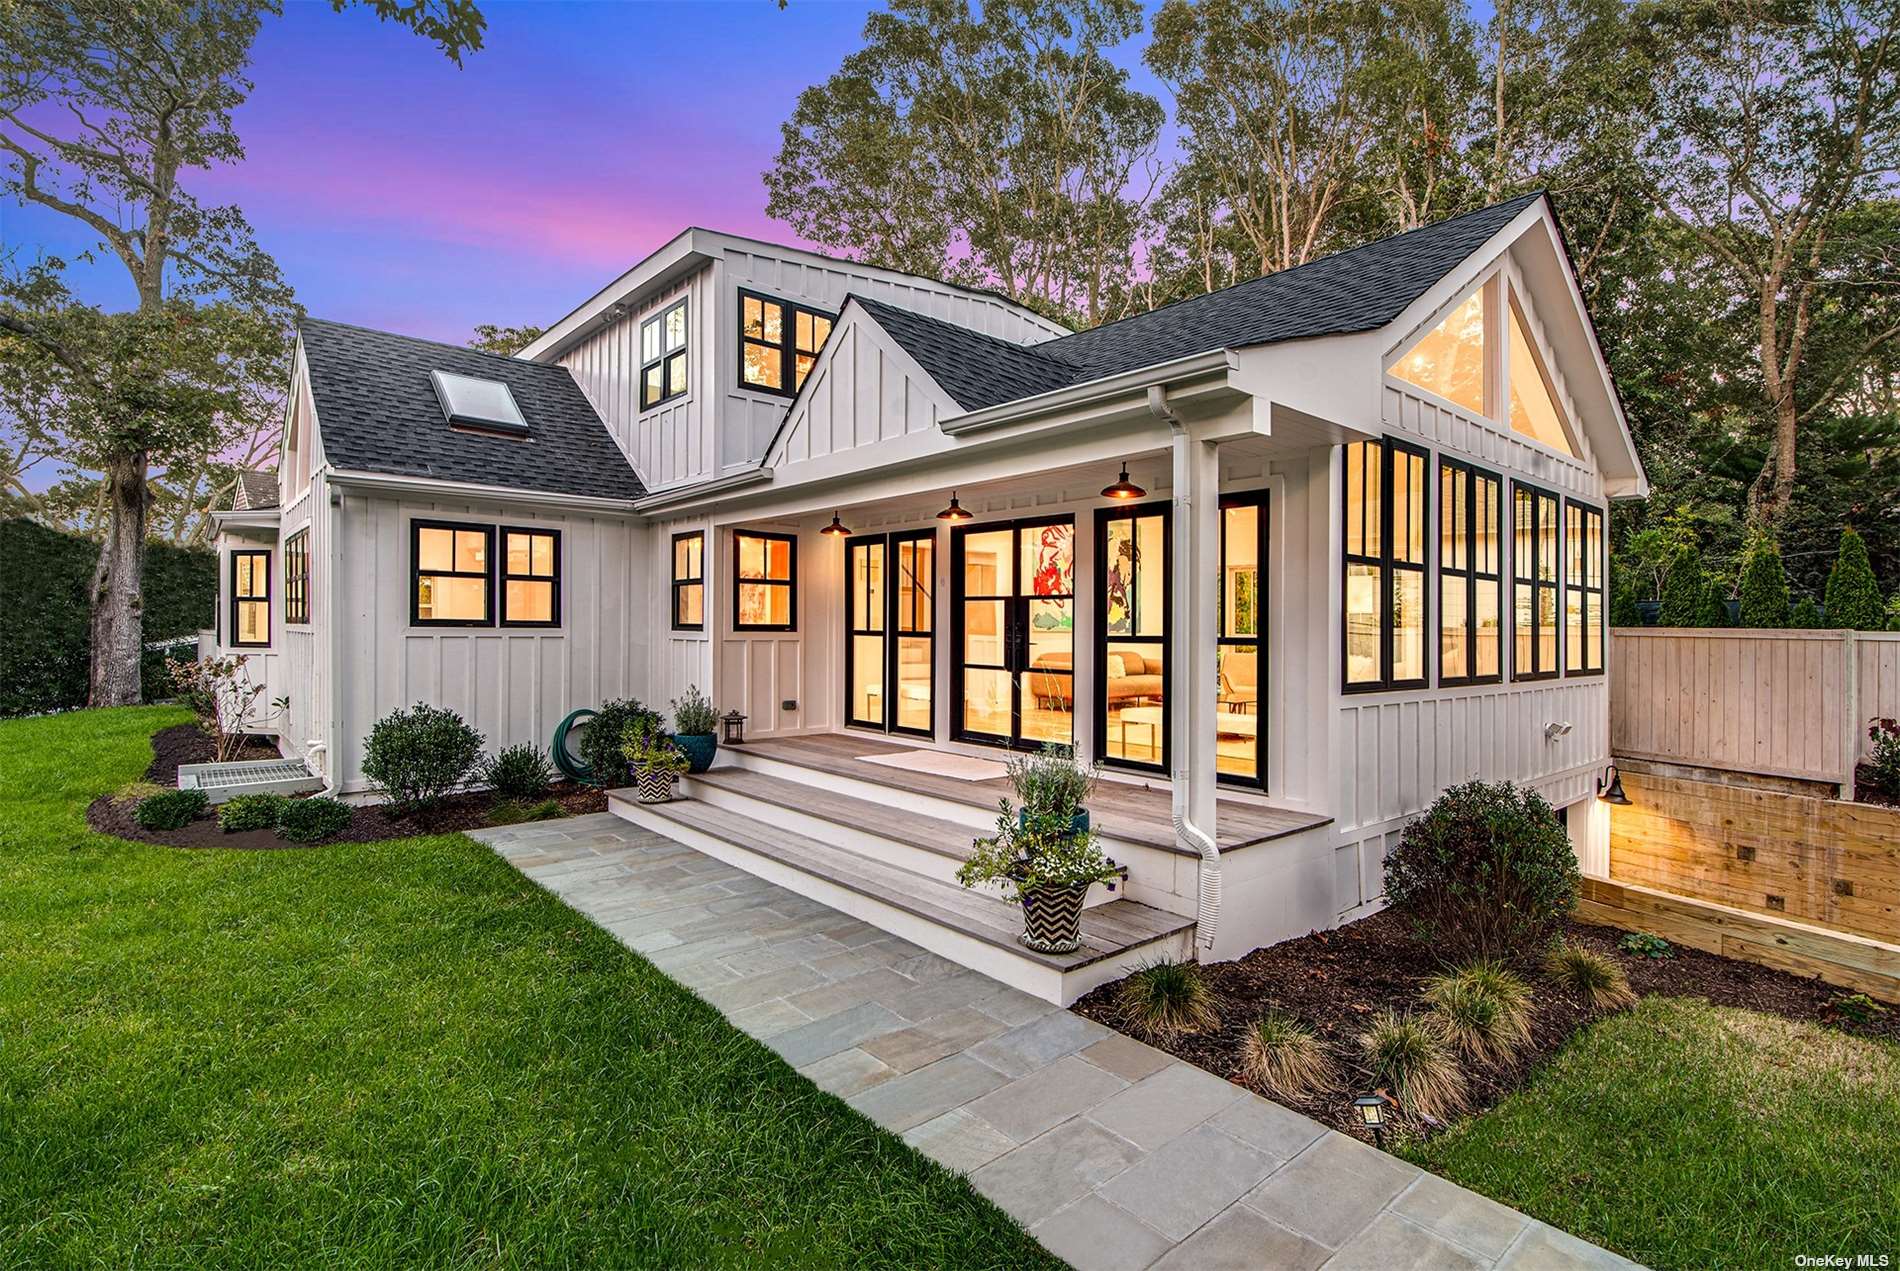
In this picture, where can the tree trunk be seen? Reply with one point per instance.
(118, 588)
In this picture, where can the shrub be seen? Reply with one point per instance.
(1683, 590)
(1764, 587)
(515, 813)
(518, 774)
(1410, 1057)
(1893, 612)
(693, 715)
(1805, 615)
(1482, 1009)
(1713, 611)
(645, 748)
(1857, 1008)
(1623, 610)
(600, 741)
(1168, 999)
(1487, 870)
(1853, 596)
(307, 820)
(1052, 782)
(1644, 944)
(170, 809)
(1591, 974)
(1284, 1057)
(416, 756)
(1883, 761)
(250, 812)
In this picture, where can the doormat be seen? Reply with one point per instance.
(940, 763)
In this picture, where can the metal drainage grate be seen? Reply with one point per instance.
(222, 781)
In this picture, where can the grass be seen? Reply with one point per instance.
(1686, 1135)
(1164, 1000)
(1410, 1056)
(385, 1054)
(1592, 974)
(1286, 1058)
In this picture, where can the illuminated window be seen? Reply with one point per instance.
(778, 343)
(1470, 562)
(250, 599)
(1583, 596)
(1534, 582)
(663, 355)
(1534, 410)
(1450, 361)
(530, 578)
(689, 582)
(453, 572)
(765, 587)
(1387, 500)
(297, 577)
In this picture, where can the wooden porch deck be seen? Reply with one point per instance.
(1135, 814)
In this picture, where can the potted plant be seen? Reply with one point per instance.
(656, 763)
(1045, 851)
(696, 728)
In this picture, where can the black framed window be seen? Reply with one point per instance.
(764, 581)
(530, 577)
(1132, 546)
(663, 355)
(297, 577)
(778, 342)
(1240, 743)
(689, 581)
(1387, 500)
(250, 599)
(1470, 574)
(452, 574)
(1583, 594)
(1534, 582)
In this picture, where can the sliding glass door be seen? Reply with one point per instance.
(1131, 617)
(890, 659)
(1013, 613)
(1240, 748)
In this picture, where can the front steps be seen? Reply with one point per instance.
(892, 866)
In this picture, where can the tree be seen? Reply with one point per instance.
(1713, 609)
(105, 111)
(1684, 590)
(1805, 615)
(994, 145)
(507, 341)
(1853, 595)
(1764, 585)
(1774, 120)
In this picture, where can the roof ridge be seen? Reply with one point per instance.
(1040, 350)
(509, 358)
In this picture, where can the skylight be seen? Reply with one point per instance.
(476, 403)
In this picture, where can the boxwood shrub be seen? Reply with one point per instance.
(417, 756)
(250, 812)
(600, 742)
(308, 820)
(170, 809)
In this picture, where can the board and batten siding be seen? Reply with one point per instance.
(511, 684)
(867, 391)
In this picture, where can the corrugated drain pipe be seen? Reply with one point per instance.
(1207, 910)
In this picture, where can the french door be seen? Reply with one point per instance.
(1132, 606)
(890, 642)
(1240, 744)
(1013, 618)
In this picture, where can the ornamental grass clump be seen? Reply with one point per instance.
(1286, 1058)
(1592, 974)
(1483, 1010)
(1165, 1000)
(1409, 1056)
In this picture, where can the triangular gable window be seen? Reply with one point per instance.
(1450, 360)
(1534, 409)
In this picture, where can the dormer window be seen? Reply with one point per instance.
(663, 355)
(779, 342)
(478, 405)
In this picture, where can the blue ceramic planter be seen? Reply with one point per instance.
(699, 749)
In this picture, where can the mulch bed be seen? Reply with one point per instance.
(1334, 982)
(188, 743)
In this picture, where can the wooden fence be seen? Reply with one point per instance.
(1779, 703)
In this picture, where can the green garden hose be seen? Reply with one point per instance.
(566, 747)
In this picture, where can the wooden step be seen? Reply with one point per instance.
(943, 917)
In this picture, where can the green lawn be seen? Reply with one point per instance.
(1687, 1135)
(388, 1054)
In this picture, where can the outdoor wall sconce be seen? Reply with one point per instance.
(735, 728)
(1612, 792)
(955, 511)
(1557, 729)
(1123, 488)
(836, 529)
(1371, 1109)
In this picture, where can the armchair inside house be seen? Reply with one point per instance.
(1239, 680)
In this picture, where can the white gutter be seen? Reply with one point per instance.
(662, 499)
(1079, 394)
(1207, 907)
(429, 488)
(327, 746)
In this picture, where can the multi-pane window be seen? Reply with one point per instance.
(250, 599)
(1387, 499)
(1534, 548)
(1470, 562)
(297, 577)
(663, 355)
(1451, 359)
(778, 343)
(689, 581)
(1583, 595)
(453, 575)
(764, 592)
(530, 578)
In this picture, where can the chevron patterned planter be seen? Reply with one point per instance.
(1052, 919)
(652, 785)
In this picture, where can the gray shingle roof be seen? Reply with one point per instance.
(254, 491)
(378, 412)
(1360, 289)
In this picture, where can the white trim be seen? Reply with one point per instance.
(429, 488)
(1024, 409)
(692, 492)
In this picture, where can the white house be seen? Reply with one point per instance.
(1290, 558)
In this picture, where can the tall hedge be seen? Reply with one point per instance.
(1853, 595)
(45, 646)
(1764, 590)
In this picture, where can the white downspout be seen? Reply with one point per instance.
(1207, 910)
(333, 522)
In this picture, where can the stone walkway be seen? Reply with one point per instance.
(1112, 1153)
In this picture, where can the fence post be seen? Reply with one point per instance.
(1850, 716)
